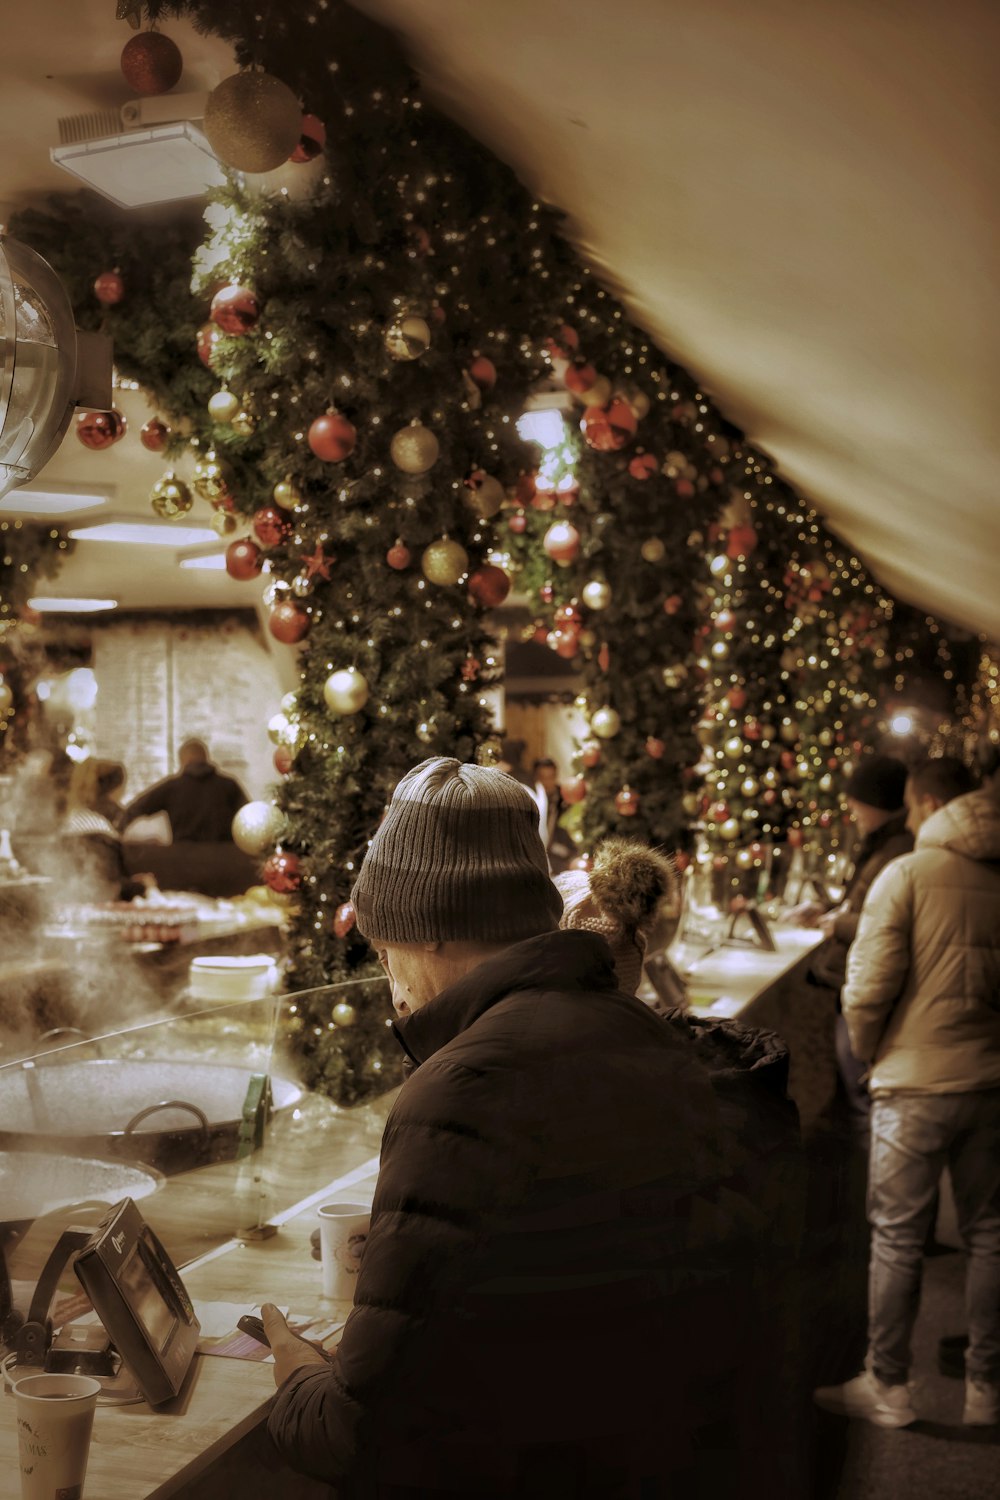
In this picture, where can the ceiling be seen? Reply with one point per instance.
(797, 201)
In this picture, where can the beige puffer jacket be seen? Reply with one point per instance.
(922, 999)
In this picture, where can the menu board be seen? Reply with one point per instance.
(161, 682)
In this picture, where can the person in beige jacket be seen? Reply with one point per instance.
(922, 1007)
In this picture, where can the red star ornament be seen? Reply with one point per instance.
(318, 564)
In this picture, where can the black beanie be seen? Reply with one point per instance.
(458, 856)
(878, 781)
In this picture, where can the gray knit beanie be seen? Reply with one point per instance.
(458, 856)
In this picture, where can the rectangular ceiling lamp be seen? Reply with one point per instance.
(216, 561)
(144, 534)
(48, 503)
(160, 165)
(47, 605)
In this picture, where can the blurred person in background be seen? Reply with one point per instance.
(93, 844)
(200, 800)
(922, 1008)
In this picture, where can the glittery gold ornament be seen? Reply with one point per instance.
(257, 827)
(606, 723)
(444, 562)
(730, 829)
(344, 1014)
(170, 497)
(212, 478)
(653, 549)
(243, 424)
(596, 594)
(252, 121)
(407, 338)
(414, 449)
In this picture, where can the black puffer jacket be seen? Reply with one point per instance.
(546, 1290)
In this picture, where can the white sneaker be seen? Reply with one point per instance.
(982, 1403)
(866, 1396)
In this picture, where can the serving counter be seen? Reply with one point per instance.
(210, 1442)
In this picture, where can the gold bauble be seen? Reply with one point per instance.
(244, 423)
(606, 723)
(224, 523)
(425, 731)
(170, 497)
(485, 497)
(414, 449)
(653, 549)
(444, 562)
(252, 121)
(733, 747)
(674, 677)
(749, 787)
(596, 594)
(212, 478)
(730, 829)
(407, 338)
(223, 406)
(744, 858)
(286, 495)
(257, 827)
(344, 1014)
(346, 691)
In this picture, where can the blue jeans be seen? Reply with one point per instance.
(914, 1137)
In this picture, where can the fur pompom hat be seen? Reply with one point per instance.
(619, 897)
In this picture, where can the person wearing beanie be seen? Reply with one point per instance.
(874, 793)
(619, 897)
(554, 1206)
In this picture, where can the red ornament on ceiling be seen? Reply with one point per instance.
(332, 437)
(271, 525)
(288, 622)
(312, 139)
(154, 434)
(151, 63)
(99, 429)
(243, 559)
(282, 872)
(489, 585)
(235, 310)
(109, 288)
(607, 428)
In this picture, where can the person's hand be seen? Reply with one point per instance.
(290, 1352)
(809, 914)
(826, 923)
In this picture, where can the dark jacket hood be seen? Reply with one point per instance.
(568, 960)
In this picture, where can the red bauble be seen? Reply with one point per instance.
(518, 523)
(590, 754)
(627, 803)
(398, 557)
(151, 63)
(561, 542)
(284, 759)
(568, 616)
(643, 466)
(489, 585)
(563, 341)
(243, 559)
(742, 540)
(153, 435)
(672, 604)
(282, 872)
(208, 341)
(610, 427)
(344, 919)
(719, 812)
(604, 657)
(483, 372)
(109, 288)
(546, 593)
(655, 748)
(736, 698)
(99, 429)
(795, 838)
(271, 525)
(788, 760)
(311, 140)
(574, 791)
(752, 730)
(332, 437)
(579, 377)
(681, 861)
(725, 620)
(525, 488)
(685, 488)
(540, 635)
(235, 310)
(544, 500)
(564, 643)
(288, 622)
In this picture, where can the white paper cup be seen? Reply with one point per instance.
(55, 1417)
(343, 1230)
